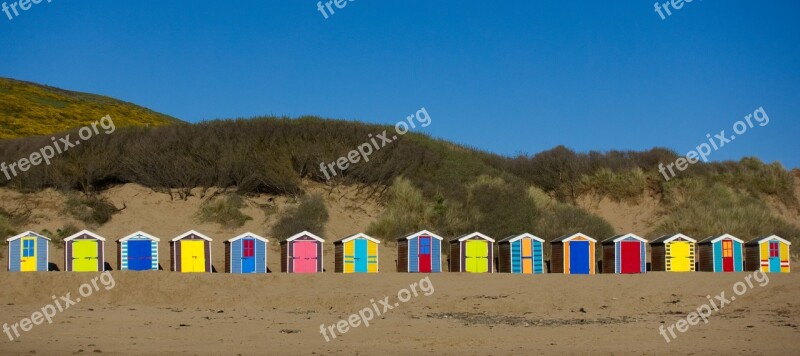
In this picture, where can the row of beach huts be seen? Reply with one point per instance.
(420, 252)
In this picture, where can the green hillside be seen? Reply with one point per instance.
(423, 182)
(28, 109)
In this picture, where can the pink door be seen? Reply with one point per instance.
(305, 257)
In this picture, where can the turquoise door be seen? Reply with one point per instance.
(361, 256)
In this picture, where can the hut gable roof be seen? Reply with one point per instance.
(248, 235)
(192, 232)
(763, 239)
(139, 234)
(359, 235)
(26, 233)
(567, 238)
(669, 238)
(713, 239)
(617, 238)
(304, 233)
(514, 238)
(472, 235)
(423, 232)
(85, 232)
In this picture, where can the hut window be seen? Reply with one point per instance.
(27, 248)
(774, 251)
(425, 245)
(249, 247)
(727, 248)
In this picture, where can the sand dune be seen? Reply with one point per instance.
(164, 312)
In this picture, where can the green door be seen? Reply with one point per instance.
(84, 256)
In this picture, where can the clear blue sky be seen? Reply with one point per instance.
(505, 76)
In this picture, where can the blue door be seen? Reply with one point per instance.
(361, 256)
(579, 257)
(248, 256)
(140, 256)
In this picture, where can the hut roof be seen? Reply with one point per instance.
(138, 234)
(763, 239)
(568, 237)
(514, 238)
(359, 235)
(616, 238)
(26, 233)
(423, 232)
(304, 233)
(471, 235)
(669, 238)
(248, 235)
(85, 232)
(713, 239)
(192, 232)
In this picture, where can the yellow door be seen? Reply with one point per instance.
(477, 257)
(193, 256)
(680, 256)
(28, 254)
(84, 256)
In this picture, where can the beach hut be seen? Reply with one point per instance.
(83, 252)
(302, 253)
(246, 253)
(768, 253)
(137, 252)
(523, 254)
(420, 252)
(624, 254)
(356, 254)
(472, 253)
(673, 253)
(190, 252)
(28, 252)
(572, 254)
(723, 253)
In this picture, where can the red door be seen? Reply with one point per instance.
(727, 256)
(304, 257)
(425, 254)
(630, 253)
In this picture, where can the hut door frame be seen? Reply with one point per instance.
(361, 256)
(305, 258)
(582, 261)
(248, 257)
(727, 256)
(526, 256)
(476, 256)
(136, 260)
(27, 255)
(85, 256)
(682, 262)
(190, 261)
(774, 256)
(424, 257)
(626, 264)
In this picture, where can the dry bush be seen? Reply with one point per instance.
(225, 211)
(310, 215)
